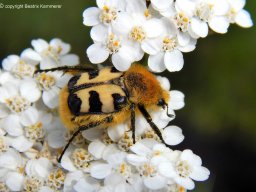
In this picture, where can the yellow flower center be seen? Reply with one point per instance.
(46, 81)
(182, 21)
(137, 34)
(113, 44)
(108, 14)
(17, 104)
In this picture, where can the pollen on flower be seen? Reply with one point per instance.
(35, 132)
(183, 169)
(169, 44)
(52, 53)
(231, 15)
(3, 146)
(3, 187)
(45, 152)
(137, 34)
(113, 43)
(125, 142)
(175, 188)
(125, 170)
(204, 10)
(182, 21)
(108, 14)
(46, 81)
(81, 158)
(56, 179)
(17, 103)
(32, 184)
(23, 69)
(106, 139)
(147, 14)
(150, 134)
(147, 170)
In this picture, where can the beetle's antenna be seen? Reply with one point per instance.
(169, 115)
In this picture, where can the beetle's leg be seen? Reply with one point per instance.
(133, 122)
(66, 69)
(83, 128)
(152, 124)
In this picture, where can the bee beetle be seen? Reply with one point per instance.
(108, 97)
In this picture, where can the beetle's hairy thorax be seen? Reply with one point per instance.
(142, 86)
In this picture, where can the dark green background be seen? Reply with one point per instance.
(218, 79)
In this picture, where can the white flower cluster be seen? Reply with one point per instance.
(163, 29)
(32, 136)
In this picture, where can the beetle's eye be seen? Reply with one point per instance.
(161, 102)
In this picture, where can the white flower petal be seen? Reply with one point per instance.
(155, 24)
(136, 160)
(21, 144)
(140, 149)
(63, 80)
(187, 183)
(39, 167)
(123, 24)
(11, 125)
(155, 183)
(166, 169)
(237, 4)
(164, 81)
(51, 97)
(9, 62)
(200, 173)
(185, 6)
(71, 179)
(48, 63)
(219, 24)
(4, 111)
(191, 158)
(31, 56)
(91, 16)
(174, 60)
(97, 53)
(100, 171)
(243, 19)
(136, 6)
(161, 4)
(109, 150)
(58, 45)
(122, 59)
(10, 159)
(29, 117)
(99, 33)
(67, 163)
(45, 189)
(69, 60)
(39, 45)
(199, 27)
(30, 91)
(87, 184)
(116, 132)
(151, 46)
(183, 38)
(221, 7)
(173, 135)
(176, 100)
(14, 181)
(96, 148)
(93, 134)
(56, 138)
(156, 62)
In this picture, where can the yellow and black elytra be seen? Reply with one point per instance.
(108, 97)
